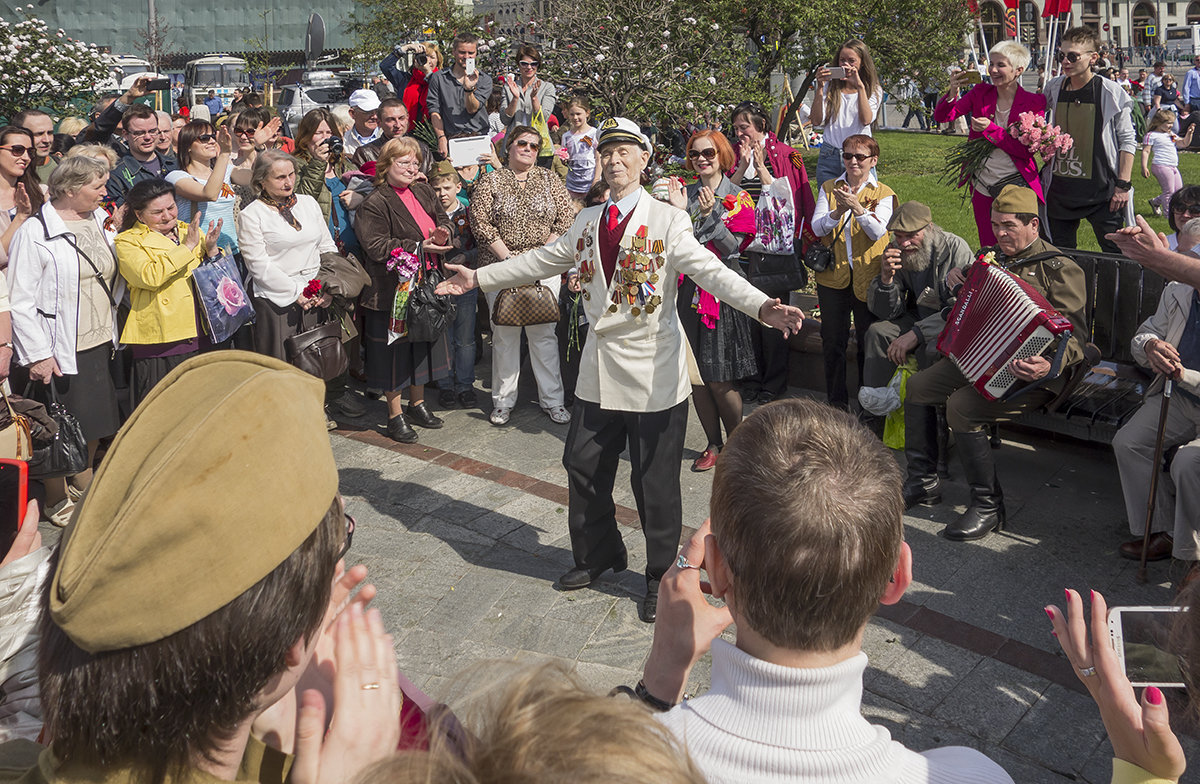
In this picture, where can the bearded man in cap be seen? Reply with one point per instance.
(165, 654)
(910, 292)
(1060, 280)
(633, 376)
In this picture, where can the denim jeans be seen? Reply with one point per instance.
(462, 344)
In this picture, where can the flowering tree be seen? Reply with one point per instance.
(645, 58)
(43, 69)
(380, 25)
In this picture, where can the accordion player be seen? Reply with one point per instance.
(1055, 286)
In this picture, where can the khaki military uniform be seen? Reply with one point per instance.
(1061, 281)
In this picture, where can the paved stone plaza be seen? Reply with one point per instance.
(465, 532)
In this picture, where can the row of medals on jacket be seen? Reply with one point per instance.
(636, 275)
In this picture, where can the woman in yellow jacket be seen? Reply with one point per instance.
(156, 254)
(853, 211)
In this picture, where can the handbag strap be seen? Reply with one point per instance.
(99, 277)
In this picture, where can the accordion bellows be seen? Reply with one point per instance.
(998, 318)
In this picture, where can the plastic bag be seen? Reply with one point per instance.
(775, 220)
(893, 426)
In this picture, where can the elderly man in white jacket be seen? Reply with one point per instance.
(633, 377)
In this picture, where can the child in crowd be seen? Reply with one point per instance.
(458, 387)
(1165, 147)
(580, 143)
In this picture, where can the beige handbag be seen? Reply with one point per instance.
(16, 442)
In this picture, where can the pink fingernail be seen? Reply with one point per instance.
(1154, 696)
(1049, 613)
(1054, 634)
(1067, 592)
(1092, 595)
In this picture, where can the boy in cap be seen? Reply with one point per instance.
(1059, 279)
(364, 110)
(633, 379)
(910, 292)
(161, 648)
(785, 700)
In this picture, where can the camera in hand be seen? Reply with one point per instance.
(334, 145)
(155, 85)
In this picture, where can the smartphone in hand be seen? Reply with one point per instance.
(1142, 637)
(470, 66)
(971, 76)
(837, 72)
(155, 85)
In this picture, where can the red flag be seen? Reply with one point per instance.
(1049, 8)
(973, 7)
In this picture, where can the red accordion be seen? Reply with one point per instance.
(998, 318)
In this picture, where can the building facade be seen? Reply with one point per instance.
(1124, 23)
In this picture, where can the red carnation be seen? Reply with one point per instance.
(313, 289)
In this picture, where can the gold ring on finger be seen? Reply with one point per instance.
(370, 686)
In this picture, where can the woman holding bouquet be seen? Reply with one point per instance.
(993, 108)
(723, 218)
(401, 218)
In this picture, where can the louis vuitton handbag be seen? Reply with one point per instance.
(525, 306)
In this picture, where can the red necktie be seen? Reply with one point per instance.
(614, 217)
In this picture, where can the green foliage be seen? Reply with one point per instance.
(646, 58)
(44, 69)
(379, 25)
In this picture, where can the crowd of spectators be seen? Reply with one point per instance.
(271, 659)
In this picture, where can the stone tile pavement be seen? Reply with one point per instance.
(465, 532)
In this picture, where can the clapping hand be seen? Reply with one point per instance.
(846, 200)
(675, 195)
(21, 201)
(706, 199)
(268, 132)
(193, 231)
(212, 237)
(225, 140)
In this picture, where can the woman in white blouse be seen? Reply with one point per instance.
(853, 210)
(282, 237)
(845, 106)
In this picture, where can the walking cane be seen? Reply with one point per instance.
(1155, 470)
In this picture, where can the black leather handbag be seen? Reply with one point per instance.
(775, 273)
(429, 313)
(66, 453)
(819, 256)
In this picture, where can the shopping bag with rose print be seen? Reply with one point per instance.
(223, 299)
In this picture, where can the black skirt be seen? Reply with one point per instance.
(89, 394)
(403, 363)
(725, 352)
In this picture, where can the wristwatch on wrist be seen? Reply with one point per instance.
(1124, 185)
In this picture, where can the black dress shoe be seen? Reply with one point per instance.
(923, 493)
(467, 398)
(446, 398)
(648, 607)
(398, 429)
(581, 578)
(421, 415)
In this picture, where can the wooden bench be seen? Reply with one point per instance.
(1101, 397)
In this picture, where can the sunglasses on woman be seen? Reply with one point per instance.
(1070, 57)
(18, 150)
(529, 63)
(707, 155)
(206, 137)
(526, 144)
(856, 156)
(1187, 209)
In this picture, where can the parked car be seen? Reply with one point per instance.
(296, 100)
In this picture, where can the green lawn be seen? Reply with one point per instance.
(911, 163)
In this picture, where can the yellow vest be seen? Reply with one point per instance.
(158, 272)
(867, 254)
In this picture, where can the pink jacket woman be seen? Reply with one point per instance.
(979, 102)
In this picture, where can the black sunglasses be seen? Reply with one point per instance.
(349, 537)
(18, 150)
(708, 154)
(206, 137)
(1070, 57)
(1187, 209)
(856, 156)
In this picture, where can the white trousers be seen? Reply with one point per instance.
(1177, 508)
(543, 355)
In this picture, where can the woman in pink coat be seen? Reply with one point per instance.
(993, 108)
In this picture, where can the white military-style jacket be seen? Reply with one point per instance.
(635, 358)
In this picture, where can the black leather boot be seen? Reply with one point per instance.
(421, 415)
(398, 429)
(986, 512)
(943, 442)
(921, 486)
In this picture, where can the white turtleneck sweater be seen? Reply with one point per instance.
(764, 722)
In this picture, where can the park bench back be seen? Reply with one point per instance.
(1120, 296)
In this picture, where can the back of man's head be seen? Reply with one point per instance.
(807, 513)
(157, 639)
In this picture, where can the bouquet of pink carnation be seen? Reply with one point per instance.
(1042, 138)
(403, 263)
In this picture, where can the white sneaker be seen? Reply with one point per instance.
(500, 416)
(60, 513)
(558, 415)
